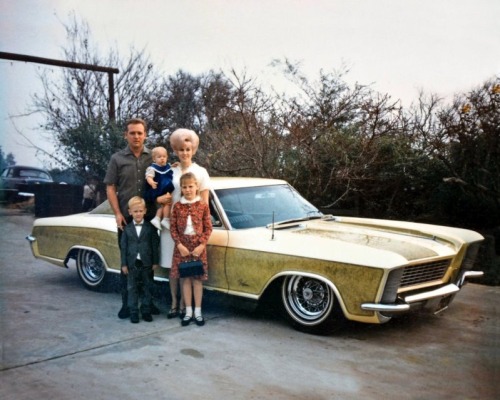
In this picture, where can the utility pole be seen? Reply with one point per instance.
(69, 64)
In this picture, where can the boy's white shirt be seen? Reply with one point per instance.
(138, 228)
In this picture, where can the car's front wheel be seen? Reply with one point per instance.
(91, 269)
(310, 304)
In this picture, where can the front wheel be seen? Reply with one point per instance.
(310, 304)
(91, 269)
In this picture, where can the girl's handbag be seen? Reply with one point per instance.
(190, 268)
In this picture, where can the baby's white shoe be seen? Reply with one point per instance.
(165, 222)
(156, 223)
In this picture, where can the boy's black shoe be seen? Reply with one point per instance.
(147, 317)
(124, 312)
(134, 318)
(155, 310)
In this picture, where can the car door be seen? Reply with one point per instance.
(216, 250)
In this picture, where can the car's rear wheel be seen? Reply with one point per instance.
(310, 304)
(91, 269)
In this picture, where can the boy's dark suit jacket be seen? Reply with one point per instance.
(147, 245)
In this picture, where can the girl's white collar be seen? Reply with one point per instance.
(185, 201)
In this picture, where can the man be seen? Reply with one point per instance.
(125, 178)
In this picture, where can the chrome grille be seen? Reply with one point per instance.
(422, 273)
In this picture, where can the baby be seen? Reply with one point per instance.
(159, 177)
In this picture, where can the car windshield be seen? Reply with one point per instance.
(103, 208)
(251, 207)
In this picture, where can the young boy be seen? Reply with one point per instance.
(159, 177)
(140, 255)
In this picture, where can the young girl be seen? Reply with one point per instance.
(190, 227)
(159, 177)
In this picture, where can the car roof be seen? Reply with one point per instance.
(16, 166)
(233, 182)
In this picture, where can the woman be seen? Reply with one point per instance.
(184, 143)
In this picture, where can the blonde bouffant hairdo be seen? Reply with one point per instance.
(182, 135)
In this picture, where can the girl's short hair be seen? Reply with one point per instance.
(136, 200)
(188, 176)
(181, 136)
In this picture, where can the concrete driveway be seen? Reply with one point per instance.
(62, 341)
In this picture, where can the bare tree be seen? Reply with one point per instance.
(76, 106)
(177, 104)
(239, 130)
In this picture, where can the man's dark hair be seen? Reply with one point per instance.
(133, 121)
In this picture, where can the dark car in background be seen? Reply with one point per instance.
(17, 182)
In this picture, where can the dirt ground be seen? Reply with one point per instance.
(62, 341)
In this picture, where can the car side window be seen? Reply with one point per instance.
(4, 173)
(214, 215)
(29, 173)
(238, 205)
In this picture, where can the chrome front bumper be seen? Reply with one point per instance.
(413, 299)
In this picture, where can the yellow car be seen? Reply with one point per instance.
(267, 237)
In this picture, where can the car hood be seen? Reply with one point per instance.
(369, 242)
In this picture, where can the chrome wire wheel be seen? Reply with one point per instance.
(309, 302)
(90, 268)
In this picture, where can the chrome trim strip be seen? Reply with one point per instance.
(30, 238)
(469, 274)
(442, 291)
(385, 307)
(52, 260)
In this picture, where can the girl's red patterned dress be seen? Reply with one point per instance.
(202, 224)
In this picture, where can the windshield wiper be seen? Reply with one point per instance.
(293, 221)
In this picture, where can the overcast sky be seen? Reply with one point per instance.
(398, 46)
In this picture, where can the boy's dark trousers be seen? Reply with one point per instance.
(139, 275)
(124, 292)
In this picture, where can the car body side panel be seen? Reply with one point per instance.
(216, 252)
(247, 272)
(251, 271)
(57, 241)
